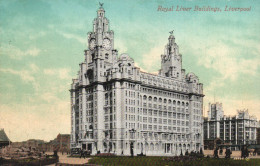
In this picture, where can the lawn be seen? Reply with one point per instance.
(169, 161)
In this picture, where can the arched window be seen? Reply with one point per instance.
(155, 99)
(152, 146)
(144, 97)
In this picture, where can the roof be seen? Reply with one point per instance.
(3, 136)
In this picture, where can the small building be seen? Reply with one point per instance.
(4, 140)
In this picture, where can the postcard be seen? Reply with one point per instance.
(123, 77)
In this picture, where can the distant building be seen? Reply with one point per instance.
(60, 144)
(229, 130)
(63, 142)
(32, 144)
(258, 134)
(4, 140)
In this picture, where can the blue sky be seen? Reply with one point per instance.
(42, 43)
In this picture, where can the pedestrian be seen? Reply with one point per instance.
(254, 153)
(242, 153)
(221, 151)
(228, 153)
(246, 153)
(81, 153)
(216, 153)
(186, 153)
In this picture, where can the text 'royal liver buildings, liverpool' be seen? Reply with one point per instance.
(117, 108)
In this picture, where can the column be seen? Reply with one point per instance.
(224, 130)
(230, 130)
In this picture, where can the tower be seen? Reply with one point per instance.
(100, 54)
(171, 60)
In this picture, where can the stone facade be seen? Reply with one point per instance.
(258, 135)
(236, 130)
(115, 106)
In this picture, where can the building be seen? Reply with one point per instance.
(258, 133)
(116, 107)
(4, 140)
(228, 130)
(61, 144)
(31, 144)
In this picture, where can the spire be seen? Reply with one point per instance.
(101, 5)
(101, 11)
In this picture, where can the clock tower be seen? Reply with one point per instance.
(171, 60)
(100, 54)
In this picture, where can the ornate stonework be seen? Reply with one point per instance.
(115, 106)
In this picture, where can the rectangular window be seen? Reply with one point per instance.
(145, 119)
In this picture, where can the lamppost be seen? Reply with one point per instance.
(132, 136)
(105, 140)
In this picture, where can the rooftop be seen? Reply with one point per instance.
(3, 136)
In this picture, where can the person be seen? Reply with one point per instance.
(186, 153)
(201, 152)
(181, 153)
(216, 153)
(242, 152)
(82, 154)
(221, 151)
(228, 153)
(246, 153)
(254, 153)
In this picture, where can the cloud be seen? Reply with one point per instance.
(16, 53)
(152, 59)
(25, 75)
(225, 61)
(73, 36)
(62, 73)
(120, 46)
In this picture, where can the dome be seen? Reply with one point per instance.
(125, 56)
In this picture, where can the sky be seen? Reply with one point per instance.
(42, 43)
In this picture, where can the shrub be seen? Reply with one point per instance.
(105, 154)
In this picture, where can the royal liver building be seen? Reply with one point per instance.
(117, 108)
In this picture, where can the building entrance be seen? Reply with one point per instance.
(84, 146)
(90, 147)
(167, 148)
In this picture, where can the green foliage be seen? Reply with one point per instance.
(164, 161)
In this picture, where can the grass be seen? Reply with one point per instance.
(166, 161)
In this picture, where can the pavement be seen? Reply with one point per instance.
(63, 158)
